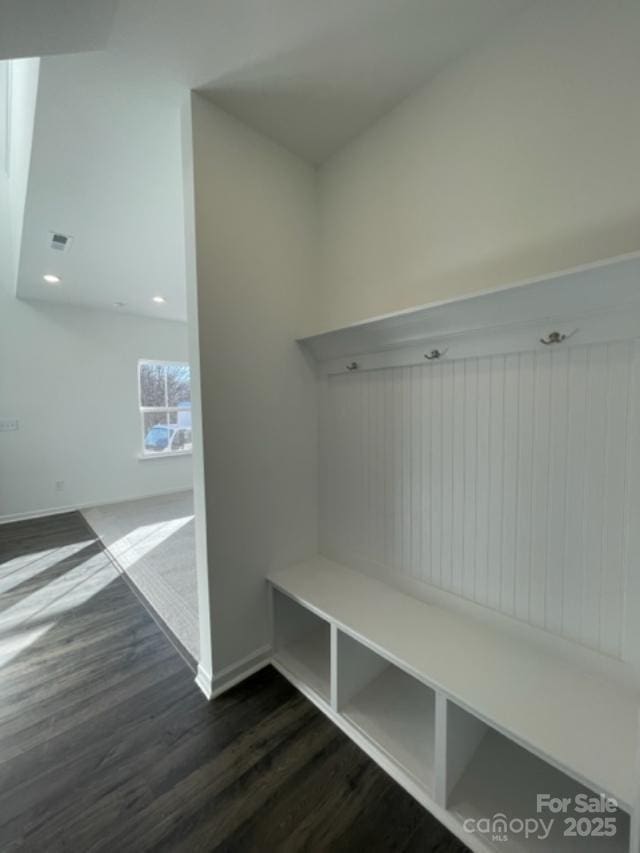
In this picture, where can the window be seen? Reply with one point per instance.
(165, 407)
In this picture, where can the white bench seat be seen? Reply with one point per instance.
(577, 721)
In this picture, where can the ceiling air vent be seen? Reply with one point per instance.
(59, 242)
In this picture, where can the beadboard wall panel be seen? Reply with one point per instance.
(502, 479)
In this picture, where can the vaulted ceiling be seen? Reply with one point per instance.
(106, 160)
(312, 74)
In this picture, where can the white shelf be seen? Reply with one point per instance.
(582, 724)
(606, 286)
(397, 713)
(308, 660)
(504, 778)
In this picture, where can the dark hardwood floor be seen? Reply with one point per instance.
(106, 744)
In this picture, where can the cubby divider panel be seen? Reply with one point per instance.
(302, 644)
(394, 710)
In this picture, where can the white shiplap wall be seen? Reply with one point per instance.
(502, 479)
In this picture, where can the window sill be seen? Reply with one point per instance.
(145, 457)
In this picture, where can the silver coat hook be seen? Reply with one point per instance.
(553, 338)
(434, 354)
(352, 366)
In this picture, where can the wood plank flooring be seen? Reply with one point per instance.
(106, 744)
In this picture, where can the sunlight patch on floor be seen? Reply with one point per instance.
(137, 543)
(21, 570)
(33, 615)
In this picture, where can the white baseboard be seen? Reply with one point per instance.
(225, 679)
(41, 513)
(59, 510)
(204, 681)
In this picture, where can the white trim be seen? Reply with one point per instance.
(229, 676)
(58, 510)
(164, 361)
(203, 680)
(218, 691)
(160, 409)
(40, 513)
(143, 457)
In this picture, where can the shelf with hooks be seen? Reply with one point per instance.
(592, 304)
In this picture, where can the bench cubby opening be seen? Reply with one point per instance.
(302, 644)
(491, 779)
(394, 710)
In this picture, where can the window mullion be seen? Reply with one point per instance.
(166, 386)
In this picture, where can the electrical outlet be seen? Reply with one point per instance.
(8, 424)
(59, 485)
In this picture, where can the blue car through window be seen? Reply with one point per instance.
(157, 438)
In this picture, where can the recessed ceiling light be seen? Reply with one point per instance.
(159, 299)
(52, 279)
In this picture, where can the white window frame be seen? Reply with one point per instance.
(165, 454)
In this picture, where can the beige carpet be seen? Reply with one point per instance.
(152, 541)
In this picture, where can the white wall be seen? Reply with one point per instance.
(255, 242)
(517, 161)
(520, 159)
(503, 480)
(70, 376)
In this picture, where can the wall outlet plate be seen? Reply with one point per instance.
(8, 424)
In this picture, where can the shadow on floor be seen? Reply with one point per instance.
(106, 743)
